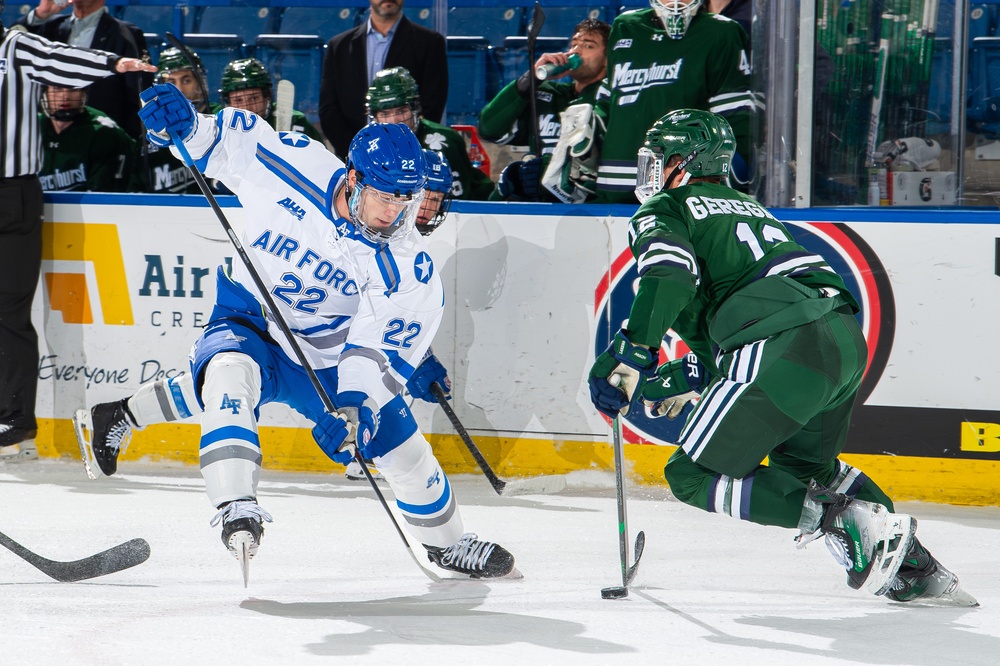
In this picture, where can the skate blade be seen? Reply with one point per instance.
(891, 557)
(241, 545)
(83, 427)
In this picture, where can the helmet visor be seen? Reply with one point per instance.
(382, 216)
(649, 174)
(432, 211)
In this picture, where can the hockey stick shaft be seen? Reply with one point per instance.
(112, 560)
(616, 435)
(287, 332)
(495, 481)
(534, 28)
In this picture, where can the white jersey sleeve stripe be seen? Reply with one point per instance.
(387, 267)
(293, 178)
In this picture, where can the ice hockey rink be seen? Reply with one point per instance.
(332, 582)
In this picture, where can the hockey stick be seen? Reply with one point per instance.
(538, 486)
(534, 28)
(292, 342)
(189, 56)
(628, 572)
(285, 103)
(120, 557)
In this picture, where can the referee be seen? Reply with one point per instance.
(27, 64)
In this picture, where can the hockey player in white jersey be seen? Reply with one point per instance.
(353, 281)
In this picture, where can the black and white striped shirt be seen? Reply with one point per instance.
(27, 63)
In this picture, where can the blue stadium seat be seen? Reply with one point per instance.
(326, 24)
(14, 11)
(473, 73)
(939, 88)
(515, 54)
(298, 58)
(491, 23)
(422, 13)
(159, 18)
(983, 110)
(216, 51)
(982, 20)
(560, 21)
(154, 42)
(244, 18)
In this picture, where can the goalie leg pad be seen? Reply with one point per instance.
(230, 449)
(423, 493)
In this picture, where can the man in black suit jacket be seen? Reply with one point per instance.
(117, 96)
(346, 73)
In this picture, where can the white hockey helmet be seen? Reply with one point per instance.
(676, 15)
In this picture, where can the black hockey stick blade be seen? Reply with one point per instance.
(541, 485)
(640, 544)
(115, 559)
(621, 591)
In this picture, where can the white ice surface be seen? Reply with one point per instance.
(333, 584)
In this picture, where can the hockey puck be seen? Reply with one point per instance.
(614, 593)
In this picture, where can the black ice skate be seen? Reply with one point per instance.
(922, 580)
(472, 557)
(242, 529)
(109, 425)
(17, 444)
(865, 538)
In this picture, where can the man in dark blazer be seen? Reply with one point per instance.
(347, 72)
(117, 96)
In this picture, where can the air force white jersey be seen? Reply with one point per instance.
(369, 308)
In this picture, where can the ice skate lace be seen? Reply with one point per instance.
(119, 436)
(468, 553)
(240, 509)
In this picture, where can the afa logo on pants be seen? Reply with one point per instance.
(845, 251)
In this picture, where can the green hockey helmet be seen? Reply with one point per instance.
(390, 89)
(244, 74)
(173, 61)
(703, 140)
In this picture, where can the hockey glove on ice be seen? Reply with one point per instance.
(165, 112)
(629, 363)
(428, 372)
(331, 434)
(519, 181)
(361, 413)
(674, 385)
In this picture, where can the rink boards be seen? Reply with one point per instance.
(532, 293)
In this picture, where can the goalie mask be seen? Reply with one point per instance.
(246, 84)
(389, 172)
(391, 90)
(64, 104)
(437, 192)
(174, 66)
(703, 140)
(676, 15)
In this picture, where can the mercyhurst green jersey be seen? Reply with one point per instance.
(650, 75)
(507, 118)
(699, 244)
(93, 154)
(470, 182)
(299, 124)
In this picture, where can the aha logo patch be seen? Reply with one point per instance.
(845, 251)
(292, 207)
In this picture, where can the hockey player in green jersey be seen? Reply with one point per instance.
(246, 84)
(165, 174)
(777, 357)
(83, 150)
(393, 97)
(506, 119)
(674, 55)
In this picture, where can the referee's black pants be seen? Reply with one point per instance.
(20, 263)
